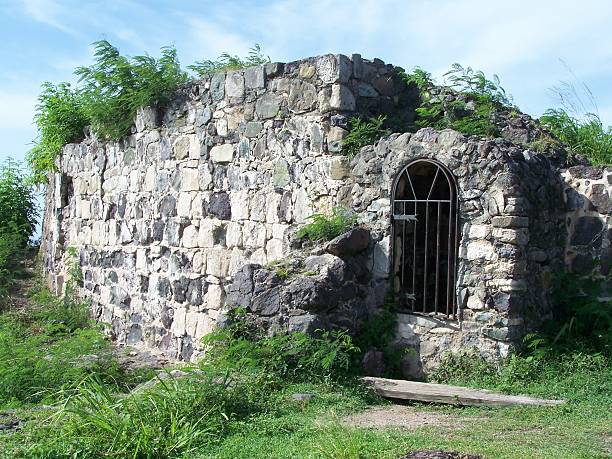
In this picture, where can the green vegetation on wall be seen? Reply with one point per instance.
(227, 62)
(586, 136)
(467, 104)
(362, 133)
(108, 95)
(325, 228)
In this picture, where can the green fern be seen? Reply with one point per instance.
(363, 133)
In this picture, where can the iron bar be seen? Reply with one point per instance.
(425, 256)
(437, 260)
(409, 211)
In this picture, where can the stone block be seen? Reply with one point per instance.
(191, 237)
(239, 202)
(511, 236)
(206, 237)
(253, 128)
(479, 231)
(281, 176)
(178, 327)
(205, 326)
(510, 221)
(255, 77)
(180, 147)
(183, 207)
(233, 235)
(268, 106)
(339, 168)
(190, 179)
(234, 86)
(222, 153)
(274, 250)
(342, 98)
(480, 250)
(217, 86)
(214, 297)
(217, 262)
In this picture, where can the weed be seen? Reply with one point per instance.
(468, 104)
(586, 136)
(325, 228)
(363, 133)
(282, 357)
(60, 118)
(227, 62)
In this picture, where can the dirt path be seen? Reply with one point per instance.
(403, 417)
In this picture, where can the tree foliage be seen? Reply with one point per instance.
(116, 86)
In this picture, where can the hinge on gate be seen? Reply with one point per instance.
(412, 218)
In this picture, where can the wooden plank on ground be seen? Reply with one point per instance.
(454, 395)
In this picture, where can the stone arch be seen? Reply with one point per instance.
(425, 237)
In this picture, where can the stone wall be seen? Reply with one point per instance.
(164, 218)
(588, 248)
(191, 214)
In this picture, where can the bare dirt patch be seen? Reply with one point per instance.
(403, 417)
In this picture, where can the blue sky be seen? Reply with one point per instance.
(529, 44)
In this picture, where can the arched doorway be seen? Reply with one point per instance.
(425, 238)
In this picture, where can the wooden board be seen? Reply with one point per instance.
(455, 395)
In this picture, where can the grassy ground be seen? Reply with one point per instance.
(241, 404)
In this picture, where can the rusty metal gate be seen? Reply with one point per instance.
(425, 238)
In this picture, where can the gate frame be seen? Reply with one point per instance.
(452, 310)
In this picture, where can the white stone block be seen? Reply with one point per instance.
(206, 236)
(217, 262)
(183, 207)
(480, 250)
(233, 235)
(214, 297)
(222, 153)
(190, 180)
(239, 202)
(191, 237)
(274, 250)
(179, 322)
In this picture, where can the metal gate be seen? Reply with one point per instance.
(425, 238)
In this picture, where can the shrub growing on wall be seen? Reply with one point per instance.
(60, 118)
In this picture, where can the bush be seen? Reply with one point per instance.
(116, 86)
(468, 104)
(586, 136)
(60, 118)
(363, 133)
(325, 228)
(41, 354)
(18, 211)
(296, 357)
(227, 62)
(11, 255)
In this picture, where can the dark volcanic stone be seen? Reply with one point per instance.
(167, 207)
(587, 231)
(373, 363)
(350, 243)
(219, 206)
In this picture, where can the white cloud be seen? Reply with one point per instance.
(48, 12)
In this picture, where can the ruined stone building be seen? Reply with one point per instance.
(195, 212)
